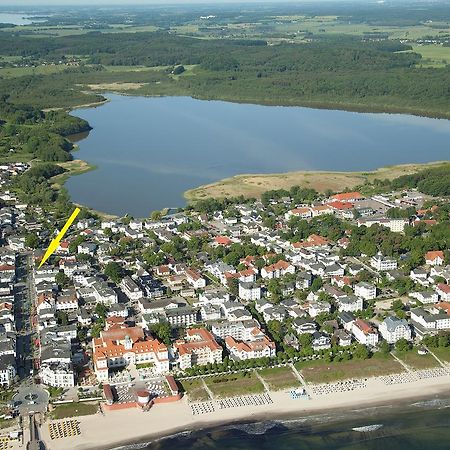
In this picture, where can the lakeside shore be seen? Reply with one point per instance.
(253, 185)
(125, 427)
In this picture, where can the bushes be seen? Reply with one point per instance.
(435, 181)
(34, 186)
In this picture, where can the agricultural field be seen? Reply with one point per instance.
(433, 55)
(12, 72)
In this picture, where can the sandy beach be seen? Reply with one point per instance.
(117, 428)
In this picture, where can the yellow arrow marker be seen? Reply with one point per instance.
(55, 243)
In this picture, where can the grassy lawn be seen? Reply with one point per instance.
(279, 377)
(443, 353)
(323, 372)
(195, 390)
(6, 423)
(74, 409)
(416, 361)
(235, 384)
(433, 55)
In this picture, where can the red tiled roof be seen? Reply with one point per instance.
(364, 326)
(300, 211)
(432, 255)
(223, 240)
(280, 265)
(198, 338)
(444, 288)
(347, 196)
(340, 205)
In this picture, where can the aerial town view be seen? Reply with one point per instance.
(224, 225)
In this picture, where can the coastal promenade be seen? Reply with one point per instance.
(131, 425)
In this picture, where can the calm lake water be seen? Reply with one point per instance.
(15, 19)
(148, 151)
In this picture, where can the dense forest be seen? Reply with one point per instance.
(435, 181)
(338, 71)
(26, 130)
(363, 72)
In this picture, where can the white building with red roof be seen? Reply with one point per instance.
(120, 346)
(348, 197)
(434, 258)
(63, 248)
(444, 291)
(258, 346)
(195, 279)
(277, 270)
(364, 333)
(198, 348)
(302, 212)
(224, 241)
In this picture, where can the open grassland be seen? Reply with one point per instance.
(443, 353)
(323, 372)
(12, 72)
(279, 378)
(234, 384)
(74, 409)
(195, 390)
(323, 25)
(255, 185)
(75, 167)
(415, 361)
(433, 55)
(116, 87)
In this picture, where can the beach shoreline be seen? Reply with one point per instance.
(126, 427)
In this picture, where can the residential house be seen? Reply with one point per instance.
(249, 291)
(434, 258)
(364, 333)
(198, 348)
(366, 290)
(392, 329)
(382, 264)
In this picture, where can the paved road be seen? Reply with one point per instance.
(23, 294)
(31, 398)
(366, 266)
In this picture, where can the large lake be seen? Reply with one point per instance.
(15, 19)
(148, 151)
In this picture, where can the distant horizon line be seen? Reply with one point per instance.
(30, 3)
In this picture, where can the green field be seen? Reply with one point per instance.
(195, 390)
(279, 378)
(443, 353)
(74, 409)
(323, 372)
(11, 72)
(234, 384)
(416, 361)
(433, 55)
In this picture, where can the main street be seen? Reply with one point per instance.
(22, 310)
(30, 397)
